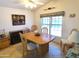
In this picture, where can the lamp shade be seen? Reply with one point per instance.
(74, 37)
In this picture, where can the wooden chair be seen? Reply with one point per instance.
(69, 42)
(34, 28)
(29, 50)
(44, 30)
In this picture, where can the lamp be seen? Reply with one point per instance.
(74, 37)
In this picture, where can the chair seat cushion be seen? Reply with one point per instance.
(73, 52)
(31, 46)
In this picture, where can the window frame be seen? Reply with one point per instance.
(50, 24)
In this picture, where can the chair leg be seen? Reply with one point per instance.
(24, 53)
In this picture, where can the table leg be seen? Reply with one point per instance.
(43, 49)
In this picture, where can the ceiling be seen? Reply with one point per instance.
(16, 4)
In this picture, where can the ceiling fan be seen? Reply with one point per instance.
(30, 3)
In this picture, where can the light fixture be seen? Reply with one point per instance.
(30, 3)
(37, 2)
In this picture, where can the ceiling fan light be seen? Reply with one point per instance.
(35, 5)
(30, 3)
(30, 7)
(26, 6)
(35, 0)
(23, 1)
(38, 2)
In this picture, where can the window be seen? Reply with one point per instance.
(45, 22)
(53, 23)
(56, 26)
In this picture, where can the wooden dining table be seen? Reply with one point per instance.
(42, 41)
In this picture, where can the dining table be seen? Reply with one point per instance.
(42, 40)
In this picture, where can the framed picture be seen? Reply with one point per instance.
(18, 19)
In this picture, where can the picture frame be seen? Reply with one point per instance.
(18, 19)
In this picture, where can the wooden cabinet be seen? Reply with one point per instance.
(4, 42)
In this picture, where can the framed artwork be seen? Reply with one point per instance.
(18, 19)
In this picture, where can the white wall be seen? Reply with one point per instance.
(69, 6)
(6, 19)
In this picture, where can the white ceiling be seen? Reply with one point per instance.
(16, 4)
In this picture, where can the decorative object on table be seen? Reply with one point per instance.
(18, 19)
(37, 34)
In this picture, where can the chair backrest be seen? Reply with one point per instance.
(74, 30)
(26, 30)
(33, 28)
(44, 30)
(24, 42)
